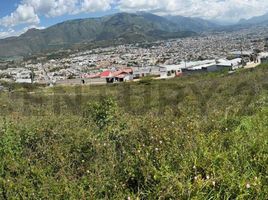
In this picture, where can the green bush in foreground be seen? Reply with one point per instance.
(209, 140)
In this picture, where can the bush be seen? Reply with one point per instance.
(103, 113)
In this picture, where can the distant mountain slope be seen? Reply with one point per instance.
(192, 24)
(121, 27)
(259, 21)
(263, 19)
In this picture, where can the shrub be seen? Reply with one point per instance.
(103, 113)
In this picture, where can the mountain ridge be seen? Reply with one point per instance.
(262, 19)
(192, 23)
(113, 29)
(119, 28)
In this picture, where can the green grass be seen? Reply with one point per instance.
(195, 137)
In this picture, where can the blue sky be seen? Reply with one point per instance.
(17, 16)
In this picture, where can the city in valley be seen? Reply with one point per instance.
(161, 59)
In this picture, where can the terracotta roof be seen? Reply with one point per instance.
(127, 70)
(116, 73)
(92, 75)
(106, 74)
(121, 75)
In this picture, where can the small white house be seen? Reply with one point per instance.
(170, 71)
(263, 57)
(232, 64)
(23, 80)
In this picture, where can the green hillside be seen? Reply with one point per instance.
(195, 137)
(120, 28)
(193, 24)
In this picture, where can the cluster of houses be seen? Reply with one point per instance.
(184, 68)
(114, 75)
(103, 75)
(19, 75)
(263, 57)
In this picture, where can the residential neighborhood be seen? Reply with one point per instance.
(130, 62)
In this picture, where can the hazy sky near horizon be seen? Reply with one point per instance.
(17, 16)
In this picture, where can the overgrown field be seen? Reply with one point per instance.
(197, 137)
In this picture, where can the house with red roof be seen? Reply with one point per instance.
(106, 74)
(125, 74)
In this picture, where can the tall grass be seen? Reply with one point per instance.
(197, 137)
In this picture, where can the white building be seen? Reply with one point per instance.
(23, 80)
(233, 64)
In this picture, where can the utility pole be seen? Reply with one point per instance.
(32, 75)
(241, 48)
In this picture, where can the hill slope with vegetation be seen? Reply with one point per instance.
(119, 28)
(193, 23)
(196, 137)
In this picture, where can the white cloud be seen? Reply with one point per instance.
(52, 8)
(7, 33)
(24, 14)
(29, 11)
(12, 32)
(230, 10)
(142, 5)
(95, 5)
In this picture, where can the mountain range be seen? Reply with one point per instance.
(115, 29)
(119, 28)
(263, 19)
(192, 23)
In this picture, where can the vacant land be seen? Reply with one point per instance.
(196, 137)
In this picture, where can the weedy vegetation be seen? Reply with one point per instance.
(195, 137)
